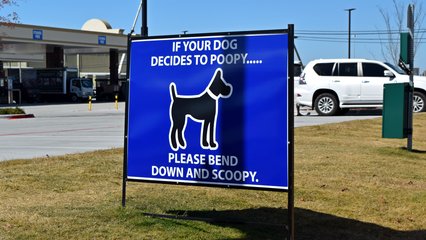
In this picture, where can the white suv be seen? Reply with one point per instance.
(333, 86)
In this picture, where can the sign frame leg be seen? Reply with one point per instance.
(291, 131)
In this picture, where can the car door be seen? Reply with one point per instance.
(346, 83)
(373, 78)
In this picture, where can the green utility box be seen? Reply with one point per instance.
(395, 110)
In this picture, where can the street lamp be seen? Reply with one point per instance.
(144, 28)
(349, 31)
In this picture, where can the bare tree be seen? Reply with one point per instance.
(395, 24)
(9, 17)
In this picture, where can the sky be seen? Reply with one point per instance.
(313, 20)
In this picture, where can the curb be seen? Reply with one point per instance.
(16, 116)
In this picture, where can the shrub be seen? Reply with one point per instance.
(15, 110)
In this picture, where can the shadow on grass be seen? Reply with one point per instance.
(269, 223)
(414, 150)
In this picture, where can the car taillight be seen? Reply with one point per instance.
(302, 80)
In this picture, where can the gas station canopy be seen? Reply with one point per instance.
(21, 42)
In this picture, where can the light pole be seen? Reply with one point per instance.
(144, 28)
(349, 31)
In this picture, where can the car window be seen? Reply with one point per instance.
(396, 69)
(324, 69)
(373, 70)
(348, 69)
(87, 83)
(76, 83)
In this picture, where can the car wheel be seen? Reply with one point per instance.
(419, 101)
(74, 98)
(326, 104)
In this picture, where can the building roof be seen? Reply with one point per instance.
(22, 42)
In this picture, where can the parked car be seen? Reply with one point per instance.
(333, 86)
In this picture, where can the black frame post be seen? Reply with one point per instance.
(410, 25)
(144, 29)
(144, 33)
(124, 184)
(291, 132)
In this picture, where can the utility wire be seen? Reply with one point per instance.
(360, 36)
(364, 32)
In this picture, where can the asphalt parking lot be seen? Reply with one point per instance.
(62, 129)
(72, 128)
(310, 117)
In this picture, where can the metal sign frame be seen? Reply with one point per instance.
(290, 120)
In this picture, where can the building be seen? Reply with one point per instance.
(97, 50)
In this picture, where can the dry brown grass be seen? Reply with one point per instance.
(350, 184)
(348, 171)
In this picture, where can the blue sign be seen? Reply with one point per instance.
(102, 40)
(37, 34)
(209, 110)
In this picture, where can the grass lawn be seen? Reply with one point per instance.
(349, 184)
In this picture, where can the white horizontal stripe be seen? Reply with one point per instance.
(177, 181)
(59, 147)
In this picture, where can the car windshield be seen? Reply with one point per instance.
(396, 69)
(87, 83)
